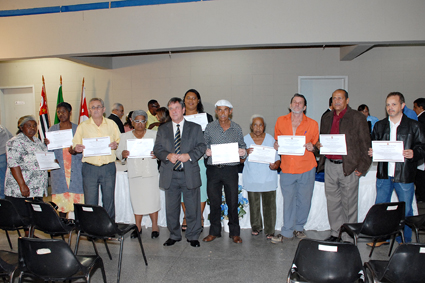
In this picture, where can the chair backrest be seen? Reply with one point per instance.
(384, 219)
(320, 261)
(9, 216)
(94, 220)
(47, 258)
(407, 264)
(44, 217)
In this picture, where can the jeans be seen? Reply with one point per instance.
(405, 192)
(3, 167)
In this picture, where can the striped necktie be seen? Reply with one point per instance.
(177, 141)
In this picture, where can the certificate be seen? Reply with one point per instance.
(388, 151)
(333, 144)
(225, 153)
(97, 146)
(46, 160)
(291, 145)
(59, 139)
(200, 119)
(140, 148)
(262, 154)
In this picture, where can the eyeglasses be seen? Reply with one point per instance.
(96, 107)
(139, 121)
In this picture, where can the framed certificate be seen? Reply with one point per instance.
(333, 144)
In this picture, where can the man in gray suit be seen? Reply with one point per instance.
(179, 145)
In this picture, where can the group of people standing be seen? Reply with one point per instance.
(187, 173)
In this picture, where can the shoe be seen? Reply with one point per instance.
(155, 234)
(194, 243)
(378, 244)
(300, 234)
(134, 234)
(236, 239)
(269, 236)
(184, 226)
(331, 239)
(255, 232)
(280, 238)
(210, 238)
(170, 242)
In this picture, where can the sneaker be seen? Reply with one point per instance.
(300, 234)
(279, 239)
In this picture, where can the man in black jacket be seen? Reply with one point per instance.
(116, 115)
(398, 176)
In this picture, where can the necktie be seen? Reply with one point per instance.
(177, 141)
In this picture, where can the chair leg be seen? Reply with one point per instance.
(94, 246)
(107, 249)
(121, 239)
(69, 238)
(392, 244)
(19, 233)
(78, 241)
(8, 239)
(417, 234)
(141, 247)
(373, 247)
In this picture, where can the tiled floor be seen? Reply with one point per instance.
(255, 260)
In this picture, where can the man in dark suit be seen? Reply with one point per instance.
(419, 108)
(117, 113)
(179, 145)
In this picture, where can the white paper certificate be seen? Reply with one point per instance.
(333, 144)
(200, 119)
(97, 146)
(291, 145)
(388, 151)
(59, 139)
(140, 148)
(262, 154)
(225, 153)
(46, 160)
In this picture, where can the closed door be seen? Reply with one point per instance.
(16, 102)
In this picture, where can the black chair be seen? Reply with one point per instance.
(11, 220)
(326, 262)
(94, 222)
(8, 264)
(53, 260)
(383, 220)
(416, 223)
(45, 218)
(406, 265)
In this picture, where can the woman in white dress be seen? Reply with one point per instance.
(142, 175)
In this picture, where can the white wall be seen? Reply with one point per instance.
(209, 24)
(255, 81)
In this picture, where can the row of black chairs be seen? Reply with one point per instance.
(335, 262)
(90, 220)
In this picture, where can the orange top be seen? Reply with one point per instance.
(309, 128)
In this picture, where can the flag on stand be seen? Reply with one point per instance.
(60, 100)
(43, 124)
(84, 113)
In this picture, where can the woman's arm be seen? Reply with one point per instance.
(17, 174)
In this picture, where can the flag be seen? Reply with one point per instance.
(60, 99)
(43, 124)
(84, 113)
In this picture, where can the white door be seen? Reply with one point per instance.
(15, 103)
(317, 90)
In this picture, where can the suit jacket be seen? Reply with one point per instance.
(357, 136)
(421, 119)
(192, 142)
(117, 121)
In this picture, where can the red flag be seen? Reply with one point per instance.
(84, 113)
(43, 124)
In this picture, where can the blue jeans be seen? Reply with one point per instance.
(405, 192)
(3, 167)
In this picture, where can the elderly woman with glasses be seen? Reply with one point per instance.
(142, 174)
(260, 180)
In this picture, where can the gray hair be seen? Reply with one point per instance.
(257, 116)
(25, 119)
(116, 106)
(97, 99)
(138, 113)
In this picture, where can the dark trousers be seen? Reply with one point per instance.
(104, 175)
(268, 200)
(420, 185)
(226, 176)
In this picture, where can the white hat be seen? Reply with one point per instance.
(223, 102)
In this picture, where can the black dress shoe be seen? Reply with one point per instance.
(194, 243)
(155, 234)
(332, 239)
(134, 234)
(170, 242)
